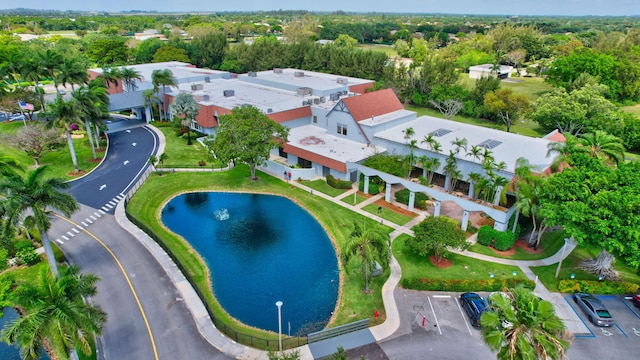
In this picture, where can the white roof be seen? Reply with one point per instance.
(316, 140)
(509, 146)
(315, 80)
(179, 69)
(489, 67)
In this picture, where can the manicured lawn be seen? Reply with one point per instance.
(634, 109)
(531, 87)
(322, 186)
(415, 266)
(58, 161)
(571, 265)
(387, 49)
(522, 127)
(388, 214)
(179, 154)
(359, 198)
(551, 243)
(336, 220)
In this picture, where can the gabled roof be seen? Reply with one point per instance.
(363, 107)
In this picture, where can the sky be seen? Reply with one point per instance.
(497, 7)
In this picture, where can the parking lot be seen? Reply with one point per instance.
(438, 323)
(626, 316)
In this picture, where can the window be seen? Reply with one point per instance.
(342, 129)
(315, 119)
(490, 143)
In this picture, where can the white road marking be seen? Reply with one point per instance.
(103, 186)
(84, 224)
(97, 214)
(71, 234)
(636, 332)
(434, 316)
(134, 144)
(101, 212)
(125, 162)
(89, 221)
(75, 230)
(441, 296)
(113, 203)
(93, 217)
(65, 238)
(128, 131)
(105, 208)
(464, 317)
(606, 332)
(59, 241)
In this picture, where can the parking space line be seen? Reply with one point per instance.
(630, 308)
(464, 317)
(441, 296)
(580, 317)
(434, 315)
(623, 333)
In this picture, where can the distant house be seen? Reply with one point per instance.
(486, 70)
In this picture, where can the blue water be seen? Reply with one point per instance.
(9, 352)
(269, 249)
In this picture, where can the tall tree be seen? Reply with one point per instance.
(247, 135)
(523, 326)
(38, 195)
(90, 103)
(72, 72)
(506, 105)
(129, 77)
(185, 109)
(65, 116)
(35, 140)
(208, 49)
(55, 312)
(436, 236)
(51, 61)
(150, 98)
(601, 145)
(369, 246)
(163, 78)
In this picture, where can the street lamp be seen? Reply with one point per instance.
(279, 305)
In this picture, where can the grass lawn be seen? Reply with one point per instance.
(359, 198)
(387, 49)
(388, 214)
(571, 265)
(634, 109)
(322, 186)
(179, 154)
(58, 161)
(551, 243)
(415, 266)
(532, 87)
(522, 127)
(336, 220)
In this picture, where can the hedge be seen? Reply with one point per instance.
(462, 285)
(374, 188)
(337, 183)
(597, 287)
(500, 240)
(402, 196)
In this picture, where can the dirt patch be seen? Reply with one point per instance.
(79, 173)
(522, 244)
(96, 160)
(509, 252)
(442, 264)
(395, 209)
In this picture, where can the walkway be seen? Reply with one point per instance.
(379, 332)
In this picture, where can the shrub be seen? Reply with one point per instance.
(402, 196)
(28, 255)
(202, 163)
(3, 259)
(500, 240)
(374, 188)
(337, 183)
(462, 285)
(597, 287)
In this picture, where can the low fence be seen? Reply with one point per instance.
(337, 331)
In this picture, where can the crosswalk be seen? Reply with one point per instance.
(88, 221)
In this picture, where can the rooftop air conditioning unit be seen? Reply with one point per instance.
(277, 70)
(228, 93)
(323, 99)
(252, 74)
(334, 96)
(316, 101)
(207, 79)
(195, 87)
(205, 97)
(298, 74)
(304, 91)
(344, 92)
(342, 81)
(269, 110)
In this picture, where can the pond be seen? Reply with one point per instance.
(261, 249)
(9, 352)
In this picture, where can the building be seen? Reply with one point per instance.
(486, 70)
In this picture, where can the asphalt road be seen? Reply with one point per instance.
(146, 317)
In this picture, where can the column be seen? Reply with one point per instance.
(387, 193)
(412, 200)
(147, 114)
(472, 189)
(496, 199)
(500, 226)
(436, 208)
(465, 219)
(447, 182)
(366, 184)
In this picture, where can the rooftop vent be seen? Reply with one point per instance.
(269, 110)
(207, 79)
(228, 93)
(342, 81)
(277, 70)
(490, 144)
(323, 99)
(334, 96)
(298, 74)
(304, 91)
(440, 132)
(252, 74)
(316, 101)
(195, 87)
(205, 97)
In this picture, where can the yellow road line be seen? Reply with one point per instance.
(133, 291)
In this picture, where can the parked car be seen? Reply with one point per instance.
(594, 309)
(474, 305)
(636, 300)
(16, 117)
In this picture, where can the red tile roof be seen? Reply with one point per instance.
(361, 88)
(292, 114)
(557, 136)
(313, 157)
(375, 103)
(206, 115)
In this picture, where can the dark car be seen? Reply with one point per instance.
(474, 305)
(594, 309)
(636, 300)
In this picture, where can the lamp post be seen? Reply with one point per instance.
(566, 241)
(279, 305)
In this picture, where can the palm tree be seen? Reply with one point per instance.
(64, 115)
(150, 98)
(162, 78)
(601, 145)
(51, 61)
(111, 76)
(564, 150)
(55, 313)
(88, 106)
(186, 109)
(524, 174)
(432, 143)
(451, 169)
(475, 152)
(33, 70)
(473, 178)
(38, 195)
(129, 77)
(370, 246)
(429, 167)
(73, 73)
(523, 326)
(459, 144)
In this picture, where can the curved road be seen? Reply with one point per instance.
(147, 319)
